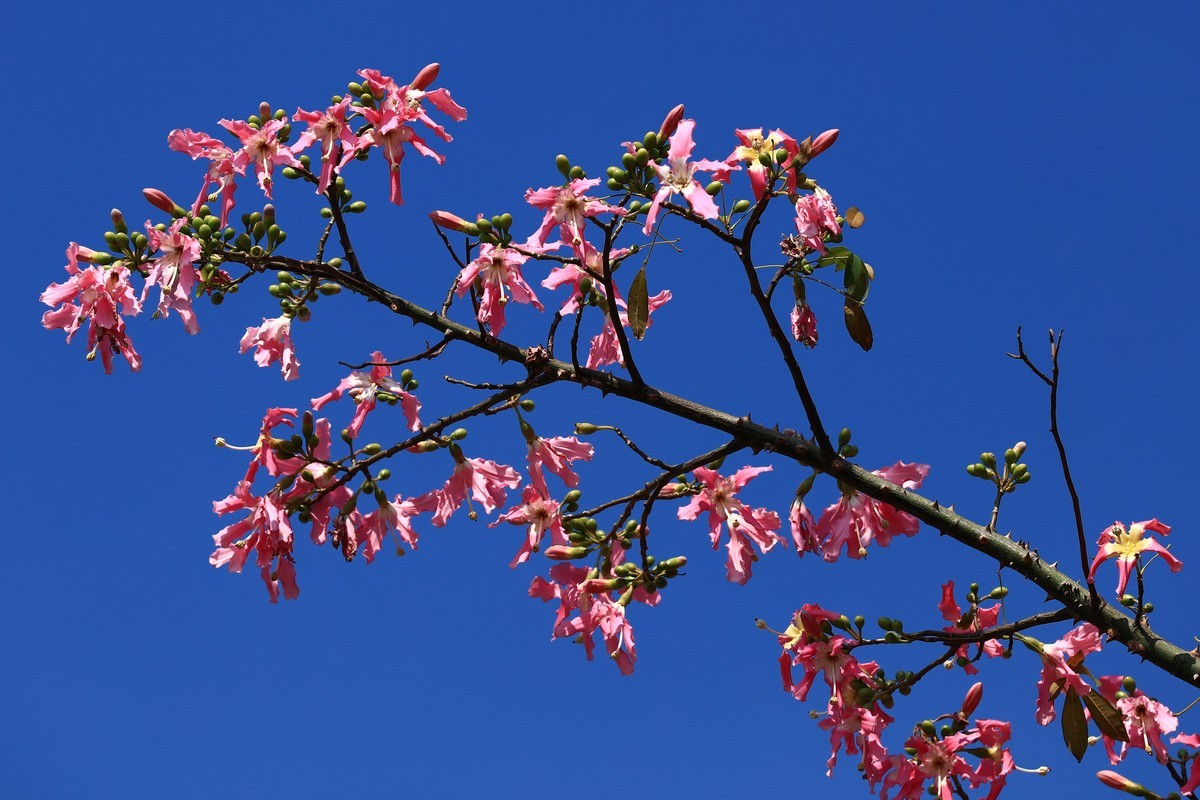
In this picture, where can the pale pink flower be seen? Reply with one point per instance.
(1056, 671)
(855, 521)
(99, 296)
(1127, 545)
(804, 324)
(568, 207)
(555, 454)
(678, 176)
(329, 127)
(363, 388)
(221, 171)
(596, 612)
(605, 346)
(499, 270)
(753, 143)
(746, 525)
(261, 148)
(572, 274)
(977, 619)
(272, 341)
(815, 216)
(174, 272)
(857, 730)
(1190, 740)
(485, 481)
(266, 530)
(539, 514)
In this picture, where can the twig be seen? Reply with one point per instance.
(430, 352)
(1052, 382)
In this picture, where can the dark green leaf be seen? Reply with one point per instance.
(1074, 725)
(857, 324)
(836, 255)
(858, 280)
(639, 304)
(1109, 720)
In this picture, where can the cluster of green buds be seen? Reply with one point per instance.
(265, 115)
(296, 294)
(130, 247)
(259, 229)
(495, 231)
(1129, 601)
(362, 93)
(845, 449)
(635, 175)
(1007, 477)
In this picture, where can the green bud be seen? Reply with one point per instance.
(988, 460)
(714, 188)
(563, 164)
(1010, 456)
(527, 404)
(329, 288)
(885, 623)
(850, 450)
(576, 173)
(650, 140)
(585, 428)
(357, 207)
(458, 434)
(406, 376)
(373, 449)
(642, 158)
(613, 183)
(999, 593)
(741, 205)
(217, 298)
(629, 161)
(781, 156)
(1020, 470)
(844, 437)
(1025, 478)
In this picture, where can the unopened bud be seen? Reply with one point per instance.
(159, 200)
(425, 77)
(444, 219)
(1115, 780)
(823, 142)
(971, 701)
(560, 552)
(585, 428)
(563, 164)
(671, 122)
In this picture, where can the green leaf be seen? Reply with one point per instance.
(836, 256)
(858, 279)
(857, 324)
(1074, 725)
(1109, 720)
(639, 305)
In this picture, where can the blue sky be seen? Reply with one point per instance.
(1017, 164)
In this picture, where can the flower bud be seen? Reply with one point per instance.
(585, 428)
(1115, 780)
(563, 164)
(118, 220)
(671, 122)
(444, 219)
(823, 142)
(159, 200)
(425, 77)
(741, 205)
(971, 701)
(560, 552)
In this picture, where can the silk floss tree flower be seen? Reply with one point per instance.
(261, 148)
(498, 269)
(1127, 545)
(366, 387)
(100, 296)
(678, 176)
(856, 521)
(567, 207)
(223, 169)
(174, 272)
(272, 342)
(330, 128)
(718, 497)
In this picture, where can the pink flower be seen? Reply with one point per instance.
(804, 324)
(855, 521)
(815, 216)
(260, 147)
(174, 272)
(555, 454)
(221, 171)
(976, 619)
(746, 525)
(364, 387)
(823, 142)
(395, 515)
(539, 514)
(408, 99)
(390, 134)
(1056, 671)
(936, 759)
(804, 529)
(596, 612)
(329, 127)
(1190, 740)
(995, 766)
(678, 176)
(499, 270)
(100, 296)
(1127, 546)
(753, 145)
(266, 530)
(573, 274)
(605, 347)
(272, 341)
(483, 480)
(859, 730)
(567, 207)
